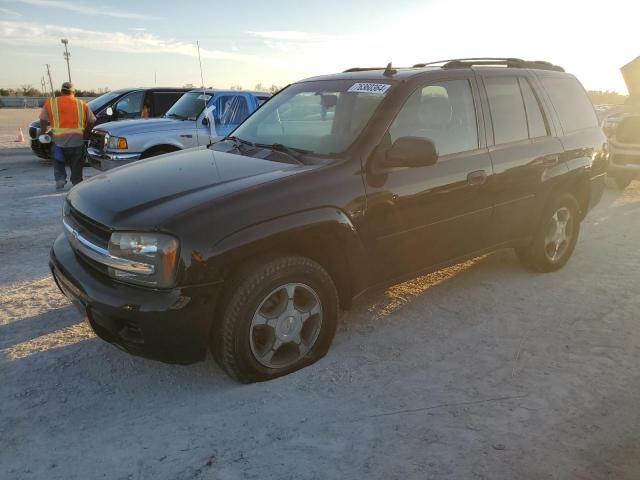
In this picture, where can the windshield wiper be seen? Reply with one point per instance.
(175, 115)
(295, 153)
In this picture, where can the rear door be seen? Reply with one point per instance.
(420, 217)
(524, 151)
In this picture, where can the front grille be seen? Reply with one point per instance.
(33, 133)
(629, 131)
(619, 159)
(96, 140)
(93, 231)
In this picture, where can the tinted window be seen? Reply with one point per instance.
(443, 113)
(571, 103)
(163, 101)
(535, 118)
(507, 109)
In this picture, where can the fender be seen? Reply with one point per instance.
(326, 235)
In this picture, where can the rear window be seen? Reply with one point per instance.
(571, 103)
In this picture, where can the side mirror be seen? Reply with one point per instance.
(205, 121)
(411, 152)
(109, 112)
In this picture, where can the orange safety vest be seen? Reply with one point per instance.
(67, 115)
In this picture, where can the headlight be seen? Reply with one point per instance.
(119, 143)
(147, 258)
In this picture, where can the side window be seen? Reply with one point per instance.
(571, 103)
(507, 109)
(535, 118)
(231, 110)
(163, 101)
(444, 113)
(130, 106)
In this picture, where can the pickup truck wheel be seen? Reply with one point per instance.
(556, 237)
(281, 316)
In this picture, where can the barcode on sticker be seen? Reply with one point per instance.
(369, 88)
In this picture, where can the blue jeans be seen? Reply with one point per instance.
(74, 157)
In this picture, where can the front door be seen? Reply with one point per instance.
(420, 217)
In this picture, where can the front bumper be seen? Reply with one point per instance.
(168, 325)
(107, 161)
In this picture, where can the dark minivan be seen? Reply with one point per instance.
(123, 104)
(250, 246)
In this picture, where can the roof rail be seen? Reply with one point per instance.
(362, 69)
(490, 61)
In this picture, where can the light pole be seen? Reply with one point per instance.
(66, 55)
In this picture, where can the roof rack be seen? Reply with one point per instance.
(388, 70)
(491, 61)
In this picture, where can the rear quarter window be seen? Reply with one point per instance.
(571, 103)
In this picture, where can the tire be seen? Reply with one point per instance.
(549, 250)
(270, 306)
(622, 181)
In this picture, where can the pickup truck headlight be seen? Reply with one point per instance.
(149, 258)
(119, 143)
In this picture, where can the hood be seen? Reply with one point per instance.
(148, 194)
(143, 125)
(631, 74)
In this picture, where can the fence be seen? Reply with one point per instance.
(26, 102)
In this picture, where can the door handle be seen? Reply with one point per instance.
(477, 178)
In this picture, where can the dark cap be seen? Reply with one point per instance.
(68, 87)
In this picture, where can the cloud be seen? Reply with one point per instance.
(84, 9)
(294, 36)
(33, 34)
(6, 13)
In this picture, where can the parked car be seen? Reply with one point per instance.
(126, 103)
(623, 130)
(185, 125)
(338, 184)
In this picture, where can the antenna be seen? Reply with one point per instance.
(204, 94)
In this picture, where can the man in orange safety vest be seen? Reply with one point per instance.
(69, 118)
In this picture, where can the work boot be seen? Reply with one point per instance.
(60, 184)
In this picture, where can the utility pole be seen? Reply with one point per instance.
(50, 81)
(43, 84)
(66, 55)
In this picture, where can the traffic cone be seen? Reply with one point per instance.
(20, 136)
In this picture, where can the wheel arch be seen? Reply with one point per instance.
(325, 235)
(159, 149)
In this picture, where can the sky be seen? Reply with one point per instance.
(118, 43)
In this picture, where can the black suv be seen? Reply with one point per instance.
(124, 104)
(250, 246)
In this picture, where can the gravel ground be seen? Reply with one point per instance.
(10, 120)
(481, 371)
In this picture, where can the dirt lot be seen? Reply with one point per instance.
(481, 371)
(10, 120)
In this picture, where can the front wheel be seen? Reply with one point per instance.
(280, 316)
(556, 237)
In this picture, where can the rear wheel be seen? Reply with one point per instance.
(556, 237)
(280, 316)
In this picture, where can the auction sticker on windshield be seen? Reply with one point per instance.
(380, 88)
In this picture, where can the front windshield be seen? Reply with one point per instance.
(323, 117)
(99, 102)
(189, 106)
